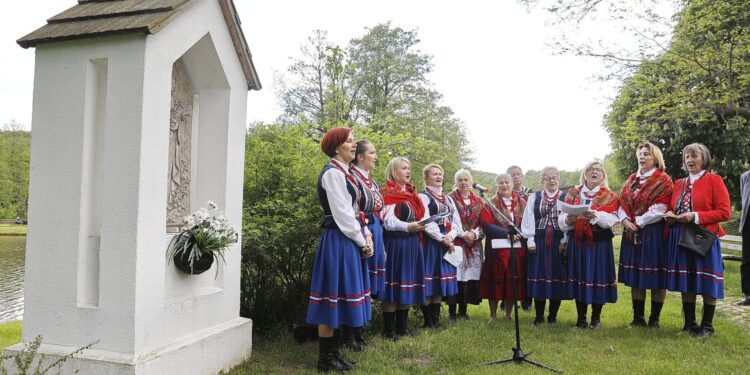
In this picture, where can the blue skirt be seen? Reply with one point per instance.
(591, 271)
(339, 290)
(440, 276)
(547, 275)
(376, 263)
(644, 266)
(404, 270)
(690, 273)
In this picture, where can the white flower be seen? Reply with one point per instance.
(189, 220)
(201, 215)
(212, 205)
(221, 217)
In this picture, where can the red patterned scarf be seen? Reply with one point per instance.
(392, 194)
(517, 205)
(470, 214)
(638, 194)
(605, 201)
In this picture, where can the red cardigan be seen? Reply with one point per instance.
(710, 201)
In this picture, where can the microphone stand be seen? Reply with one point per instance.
(518, 354)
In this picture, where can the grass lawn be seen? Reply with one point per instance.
(12, 230)
(10, 333)
(614, 349)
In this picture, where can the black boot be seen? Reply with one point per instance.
(539, 308)
(389, 326)
(707, 327)
(359, 336)
(526, 304)
(348, 340)
(653, 320)
(436, 315)
(688, 310)
(427, 315)
(581, 308)
(462, 311)
(554, 307)
(639, 320)
(337, 352)
(596, 316)
(452, 312)
(401, 323)
(327, 360)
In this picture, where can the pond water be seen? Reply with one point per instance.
(12, 255)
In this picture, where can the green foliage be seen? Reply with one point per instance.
(30, 361)
(280, 224)
(15, 146)
(697, 91)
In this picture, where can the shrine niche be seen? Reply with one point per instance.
(180, 148)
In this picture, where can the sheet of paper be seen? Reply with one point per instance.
(456, 257)
(435, 218)
(573, 209)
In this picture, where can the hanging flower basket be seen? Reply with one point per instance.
(205, 235)
(200, 265)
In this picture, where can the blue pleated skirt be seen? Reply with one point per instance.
(439, 275)
(339, 290)
(591, 271)
(376, 263)
(547, 275)
(404, 270)
(644, 266)
(690, 273)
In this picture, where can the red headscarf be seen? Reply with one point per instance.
(392, 194)
(334, 138)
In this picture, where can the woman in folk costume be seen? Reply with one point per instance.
(404, 265)
(547, 273)
(469, 209)
(440, 275)
(496, 282)
(643, 254)
(339, 291)
(591, 264)
(370, 204)
(699, 198)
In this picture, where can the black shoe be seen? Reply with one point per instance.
(390, 335)
(690, 328)
(359, 336)
(452, 318)
(745, 301)
(638, 322)
(463, 316)
(704, 330)
(348, 340)
(595, 324)
(344, 361)
(327, 362)
(526, 306)
(538, 321)
(582, 324)
(653, 323)
(552, 319)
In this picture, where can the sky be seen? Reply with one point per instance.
(521, 103)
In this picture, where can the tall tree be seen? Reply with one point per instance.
(698, 91)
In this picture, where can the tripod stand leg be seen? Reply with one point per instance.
(541, 366)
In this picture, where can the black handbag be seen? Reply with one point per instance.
(696, 239)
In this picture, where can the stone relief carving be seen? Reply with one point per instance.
(180, 129)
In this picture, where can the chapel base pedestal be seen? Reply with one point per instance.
(209, 351)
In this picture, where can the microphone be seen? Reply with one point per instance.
(480, 188)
